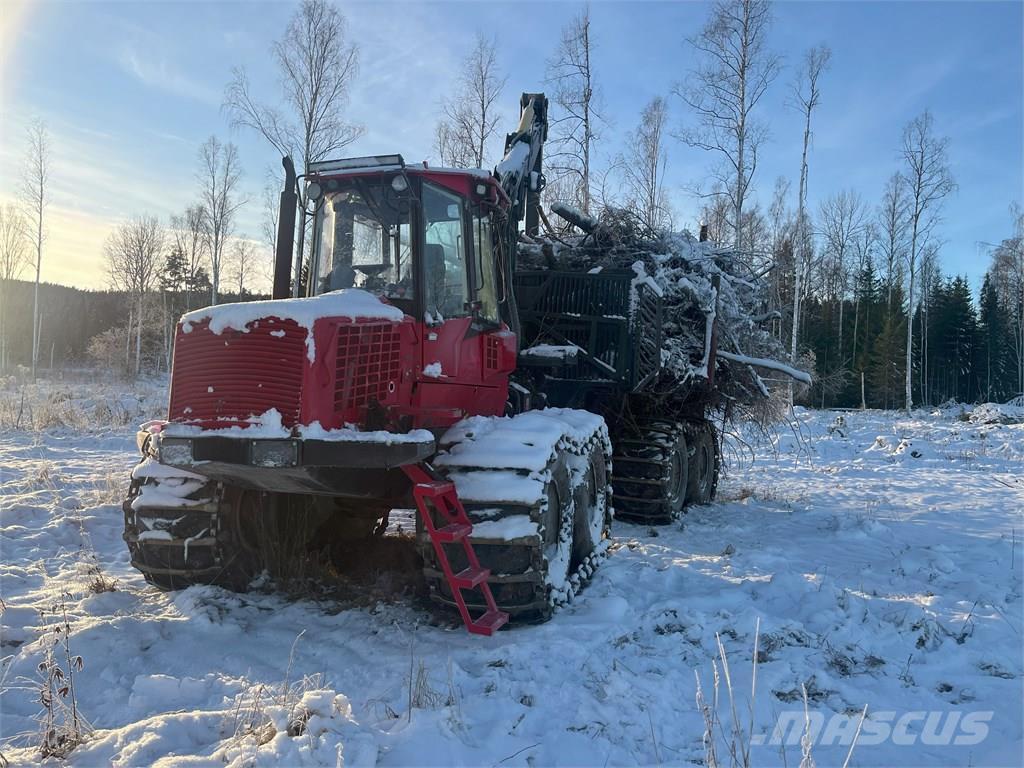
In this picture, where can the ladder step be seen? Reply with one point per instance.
(471, 577)
(436, 488)
(489, 623)
(453, 532)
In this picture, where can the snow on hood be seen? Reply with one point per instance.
(350, 303)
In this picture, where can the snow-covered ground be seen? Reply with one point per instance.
(875, 564)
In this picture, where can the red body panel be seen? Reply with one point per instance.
(233, 375)
(228, 378)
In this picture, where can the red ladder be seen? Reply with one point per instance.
(455, 529)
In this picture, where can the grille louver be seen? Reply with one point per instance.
(235, 375)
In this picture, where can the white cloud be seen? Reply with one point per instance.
(154, 70)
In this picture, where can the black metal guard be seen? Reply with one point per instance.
(619, 335)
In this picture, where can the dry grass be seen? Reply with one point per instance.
(731, 746)
(61, 725)
(77, 403)
(108, 488)
(734, 743)
(262, 711)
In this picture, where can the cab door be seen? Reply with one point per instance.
(464, 343)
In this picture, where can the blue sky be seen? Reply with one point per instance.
(129, 91)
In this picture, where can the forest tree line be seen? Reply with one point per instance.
(856, 288)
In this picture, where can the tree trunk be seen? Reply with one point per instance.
(128, 338)
(138, 338)
(910, 342)
(35, 299)
(841, 305)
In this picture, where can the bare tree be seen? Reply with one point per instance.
(133, 254)
(218, 177)
(13, 258)
(644, 165)
(715, 216)
(243, 262)
(930, 277)
(929, 180)
(34, 192)
(892, 221)
(317, 63)
(1008, 277)
(864, 251)
(735, 70)
(191, 238)
(842, 221)
(806, 96)
(470, 117)
(571, 74)
(780, 251)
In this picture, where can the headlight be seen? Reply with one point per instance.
(175, 451)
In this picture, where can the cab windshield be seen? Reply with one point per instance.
(364, 240)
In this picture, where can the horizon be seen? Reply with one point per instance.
(127, 108)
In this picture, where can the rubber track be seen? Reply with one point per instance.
(642, 467)
(195, 553)
(693, 428)
(519, 570)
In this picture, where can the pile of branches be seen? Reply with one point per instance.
(702, 286)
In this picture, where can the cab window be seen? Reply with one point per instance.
(363, 241)
(446, 285)
(483, 247)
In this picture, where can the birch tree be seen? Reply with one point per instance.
(644, 165)
(864, 248)
(892, 223)
(715, 216)
(317, 63)
(191, 239)
(133, 253)
(243, 263)
(1008, 281)
(734, 71)
(780, 238)
(806, 95)
(841, 222)
(35, 195)
(470, 117)
(13, 258)
(574, 128)
(929, 180)
(218, 177)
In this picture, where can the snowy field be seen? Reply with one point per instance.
(878, 565)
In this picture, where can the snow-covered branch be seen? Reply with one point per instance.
(772, 365)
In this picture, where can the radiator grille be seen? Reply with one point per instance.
(369, 365)
(235, 375)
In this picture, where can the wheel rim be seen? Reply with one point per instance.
(250, 520)
(588, 494)
(675, 476)
(704, 468)
(553, 523)
(558, 551)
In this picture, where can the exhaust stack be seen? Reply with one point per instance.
(285, 232)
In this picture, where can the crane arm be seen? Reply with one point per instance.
(520, 172)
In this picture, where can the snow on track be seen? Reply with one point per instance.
(882, 557)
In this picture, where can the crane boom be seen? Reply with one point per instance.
(520, 171)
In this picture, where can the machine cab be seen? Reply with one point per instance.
(423, 240)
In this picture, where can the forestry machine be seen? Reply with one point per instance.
(420, 369)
